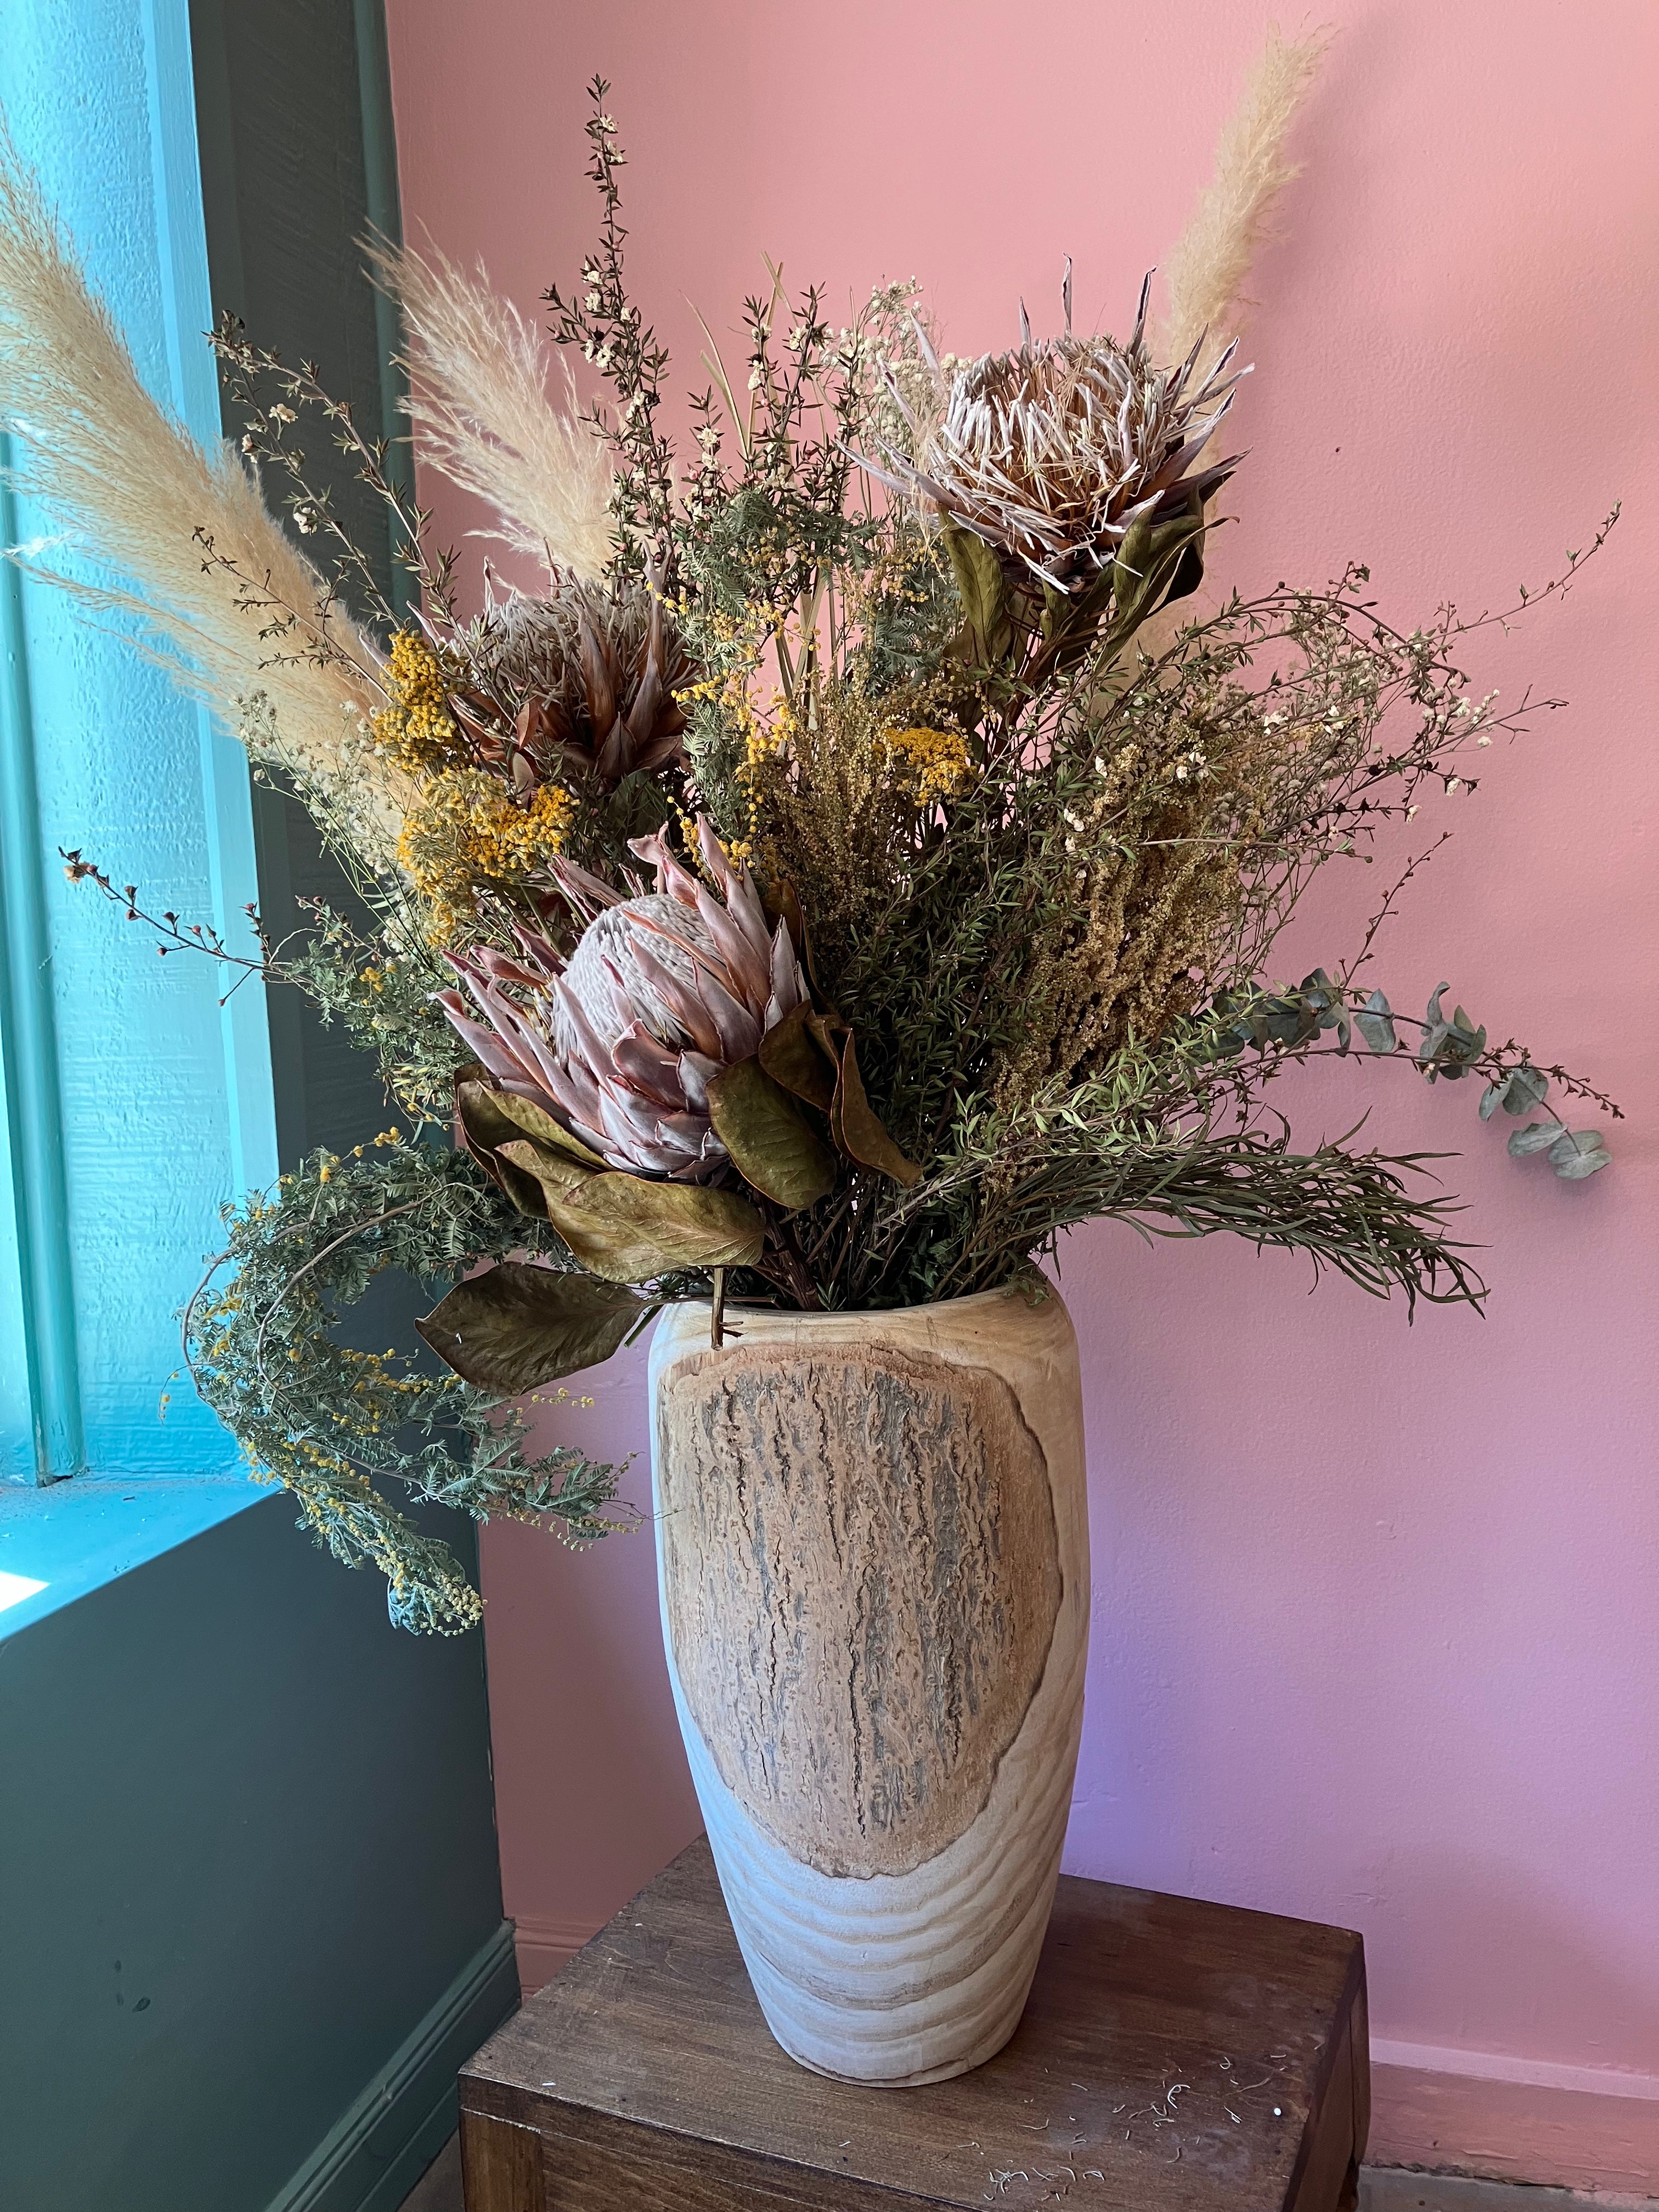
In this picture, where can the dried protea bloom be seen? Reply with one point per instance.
(664, 989)
(1051, 453)
(584, 679)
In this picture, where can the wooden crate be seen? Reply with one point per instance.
(1175, 2057)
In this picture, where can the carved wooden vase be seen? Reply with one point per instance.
(872, 1553)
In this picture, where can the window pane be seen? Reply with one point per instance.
(165, 1096)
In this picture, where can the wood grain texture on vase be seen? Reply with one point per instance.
(873, 1565)
(1174, 2057)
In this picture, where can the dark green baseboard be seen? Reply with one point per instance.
(377, 2149)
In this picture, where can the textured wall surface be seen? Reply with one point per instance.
(1374, 1636)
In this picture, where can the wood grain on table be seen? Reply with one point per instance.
(1174, 2057)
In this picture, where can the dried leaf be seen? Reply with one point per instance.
(853, 1124)
(553, 1172)
(979, 580)
(628, 1230)
(772, 1143)
(792, 1056)
(534, 1122)
(515, 1328)
(482, 1128)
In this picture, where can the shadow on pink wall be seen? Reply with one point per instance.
(592, 1793)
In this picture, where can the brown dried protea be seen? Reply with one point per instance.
(664, 988)
(1051, 453)
(583, 680)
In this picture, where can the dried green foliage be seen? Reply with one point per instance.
(326, 1420)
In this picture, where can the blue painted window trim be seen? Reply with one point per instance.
(45, 1292)
(101, 99)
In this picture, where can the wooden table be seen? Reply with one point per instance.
(1175, 2058)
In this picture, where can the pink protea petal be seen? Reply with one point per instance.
(573, 1016)
(486, 1047)
(539, 1060)
(639, 1057)
(503, 967)
(680, 1000)
(585, 892)
(576, 1094)
(786, 992)
(672, 878)
(739, 1029)
(746, 966)
(631, 1126)
(736, 885)
(697, 1072)
(690, 1132)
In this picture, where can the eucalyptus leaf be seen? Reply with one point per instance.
(627, 1229)
(772, 1143)
(1536, 1137)
(1375, 1023)
(515, 1327)
(1577, 1153)
(1525, 1089)
(1489, 1100)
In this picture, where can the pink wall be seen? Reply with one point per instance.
(1376, 1636)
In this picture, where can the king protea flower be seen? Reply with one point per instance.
(583, 680)
(620, 1042)
(1051, 453)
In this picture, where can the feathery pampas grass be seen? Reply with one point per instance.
(1205, 273)
(478, 375)
(185, 524)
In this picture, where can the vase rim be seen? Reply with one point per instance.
(1051, 1290)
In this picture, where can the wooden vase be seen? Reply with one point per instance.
(872, 1552)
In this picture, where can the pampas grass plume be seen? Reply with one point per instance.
(1206, 274)
(124, 482)
(478, 397)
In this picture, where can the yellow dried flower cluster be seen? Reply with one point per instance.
(937, 760)
(740, 643)
(465, 833)
(415, 728)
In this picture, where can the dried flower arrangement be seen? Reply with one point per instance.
(852, 867)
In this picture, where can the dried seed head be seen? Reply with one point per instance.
(1051, 452)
